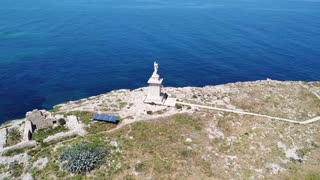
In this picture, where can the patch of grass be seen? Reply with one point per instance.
(312, 177)
(158, 145)
(52, 168)
(302, 152)
(161, 165)
(188, 120)
(123, 104)
(13, 152)
(42, 134)
(178, 106)
(140, 167)
(84, 116)
(35, 171)
(186, 153)
(99, 126)
(14, 137)
(277, 151)
(3, 168)
(16, 169)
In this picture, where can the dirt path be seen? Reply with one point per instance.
(252, 114)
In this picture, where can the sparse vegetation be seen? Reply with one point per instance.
(140, 167)
(178, 106)
(13, 152)
(149, 112)
(41, 134)
(123, 104)
(84, 116)
(14, 137)
(98, 126)
(222, 145)
(16, 169)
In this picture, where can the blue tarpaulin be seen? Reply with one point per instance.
(106, 118)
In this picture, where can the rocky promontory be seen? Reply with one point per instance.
(181, 142)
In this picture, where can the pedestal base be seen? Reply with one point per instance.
(156, 100)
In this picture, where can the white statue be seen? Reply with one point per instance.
(156, 68)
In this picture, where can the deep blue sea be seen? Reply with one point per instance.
(52, 51)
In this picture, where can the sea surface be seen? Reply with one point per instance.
(52, 51)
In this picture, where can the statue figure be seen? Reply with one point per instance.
(156, 68)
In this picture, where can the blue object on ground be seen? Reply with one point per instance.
(106, 118)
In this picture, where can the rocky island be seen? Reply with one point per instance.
(248, 130)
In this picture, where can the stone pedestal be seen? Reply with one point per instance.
(155, 84)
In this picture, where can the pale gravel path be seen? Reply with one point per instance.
(253, 114)
(316, 95)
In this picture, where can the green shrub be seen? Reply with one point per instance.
(140, 167)
(178, 106)
(149, 112)
(14, 137)
(13, 152)
(62, 121)
(16, 169)
(82, 157)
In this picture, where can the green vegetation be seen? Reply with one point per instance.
(302, 152)
(149, 112)
(3, 168)
(16, 169)
(14, 137)
(13, 152)
(140, 167)
(123, 104)
(42, 134)
(99, 126)
(82, 157)
(62, 121)
(178, 106)
(84, 116)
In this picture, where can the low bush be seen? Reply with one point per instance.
(149, 112)
(14, 137)
(82, 157)
(62, 121)
(13, 152)
(16, 169)
(140, 167)
(178, 106)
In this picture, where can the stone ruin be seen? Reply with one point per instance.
(40, 119)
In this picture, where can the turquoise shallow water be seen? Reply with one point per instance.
(58, 50)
